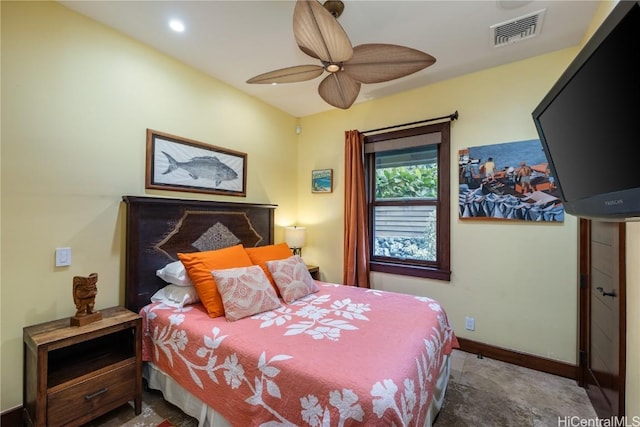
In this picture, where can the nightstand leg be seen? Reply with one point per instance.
(138, 405)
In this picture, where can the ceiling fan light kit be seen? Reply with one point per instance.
(319, 35)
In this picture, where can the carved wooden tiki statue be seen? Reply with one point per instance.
(84, 294)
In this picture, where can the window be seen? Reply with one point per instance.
(408, 199)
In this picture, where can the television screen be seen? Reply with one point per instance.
(589, 123)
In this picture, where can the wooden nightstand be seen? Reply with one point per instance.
(315, 271)
(73, 374)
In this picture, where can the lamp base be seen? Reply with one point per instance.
(297, 251)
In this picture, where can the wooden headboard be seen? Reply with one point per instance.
(159, 228)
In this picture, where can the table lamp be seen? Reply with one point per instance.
(295, 238)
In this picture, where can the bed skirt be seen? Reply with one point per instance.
(175, 394)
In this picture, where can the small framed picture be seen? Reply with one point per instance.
(180, 164)
(322, 181)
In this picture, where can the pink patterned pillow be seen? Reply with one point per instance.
(245, 291)
(292, 278)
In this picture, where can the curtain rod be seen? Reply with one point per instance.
(452, 117)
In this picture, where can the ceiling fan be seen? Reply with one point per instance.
(319, 35)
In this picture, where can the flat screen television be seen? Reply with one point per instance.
(589, 122)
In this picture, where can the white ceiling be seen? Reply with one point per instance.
(236, 40)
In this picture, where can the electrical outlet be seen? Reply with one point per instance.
(470, 323)
(63, 257)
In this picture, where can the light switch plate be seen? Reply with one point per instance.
(63, 257)
(470, 323)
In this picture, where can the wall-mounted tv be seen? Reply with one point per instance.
(589, 122)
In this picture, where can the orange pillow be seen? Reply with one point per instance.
(199, 266)
(261, 254)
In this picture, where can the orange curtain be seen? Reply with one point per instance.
(356, 229)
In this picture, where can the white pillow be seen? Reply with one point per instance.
(174, 273)
(176, 296)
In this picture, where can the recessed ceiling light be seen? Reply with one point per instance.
(176, 25)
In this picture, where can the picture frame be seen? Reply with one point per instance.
(322, 181)
(509, 181)
(181, 164)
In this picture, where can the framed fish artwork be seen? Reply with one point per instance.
(181, 164)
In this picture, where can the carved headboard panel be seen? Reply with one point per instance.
(159, 228)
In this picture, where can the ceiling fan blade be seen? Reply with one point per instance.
(339, 90)
(299, 73)
(316, 30)
(308, 52)
(377, 62)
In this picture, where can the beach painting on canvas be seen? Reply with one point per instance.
(507, 181)
(322, 181)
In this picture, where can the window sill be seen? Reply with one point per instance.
(410, 270)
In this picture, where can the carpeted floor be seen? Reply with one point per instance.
(481, 392)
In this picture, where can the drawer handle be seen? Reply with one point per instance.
(97, 393)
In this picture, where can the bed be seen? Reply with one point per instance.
(339, 356)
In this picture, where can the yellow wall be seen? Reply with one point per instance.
(77, 98)
(518, 280)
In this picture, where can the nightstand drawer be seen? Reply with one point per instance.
(97, 394)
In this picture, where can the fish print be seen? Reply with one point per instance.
(208, 167)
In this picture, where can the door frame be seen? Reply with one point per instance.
(584, 305)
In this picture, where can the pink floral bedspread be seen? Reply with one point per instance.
(342, 356)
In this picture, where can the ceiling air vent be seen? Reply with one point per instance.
(518, 29)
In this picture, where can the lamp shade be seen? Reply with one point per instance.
(295, 236)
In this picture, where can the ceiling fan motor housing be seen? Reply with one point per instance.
(335, 7)
(332, 67)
